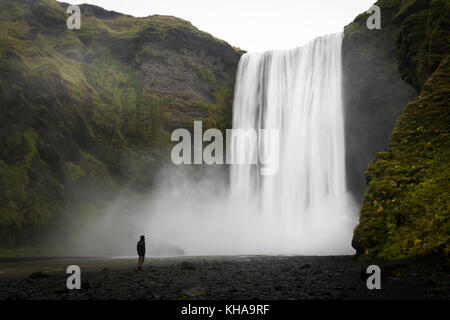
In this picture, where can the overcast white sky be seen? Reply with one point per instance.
(252, 25)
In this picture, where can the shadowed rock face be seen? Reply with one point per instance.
(86, 112)
(374, 93)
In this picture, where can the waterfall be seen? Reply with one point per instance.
(299, 93)
(302, 209)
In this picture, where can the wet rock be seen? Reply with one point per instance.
(38, 275)
(61, 291)
(85, 285)
(194, 292)
(316, 272)
(429, 283)
(278, 287)
(171, 281)
(363, 274)
(188, 266)
(437, 291)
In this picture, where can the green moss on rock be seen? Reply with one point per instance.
(406, 208)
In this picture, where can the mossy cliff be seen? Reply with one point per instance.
(85, 113)
(374, 92)
(406, 206)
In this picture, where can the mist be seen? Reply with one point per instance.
(302, 209)
(193, 212)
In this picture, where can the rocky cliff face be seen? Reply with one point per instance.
(405, 210)
(85, 113)
(374, 92)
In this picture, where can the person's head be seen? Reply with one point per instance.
(142, 238)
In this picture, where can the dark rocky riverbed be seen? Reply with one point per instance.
(250, 277)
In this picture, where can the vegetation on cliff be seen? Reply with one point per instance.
(406, 208)
(86, 113)
(374, 92)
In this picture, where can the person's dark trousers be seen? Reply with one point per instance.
(140, 262)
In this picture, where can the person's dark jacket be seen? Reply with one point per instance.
(141, 248)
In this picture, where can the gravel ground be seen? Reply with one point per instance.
(228, 277)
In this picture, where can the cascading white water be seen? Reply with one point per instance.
(298, 92)
(304, 208)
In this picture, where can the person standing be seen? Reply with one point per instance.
(141, 253)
